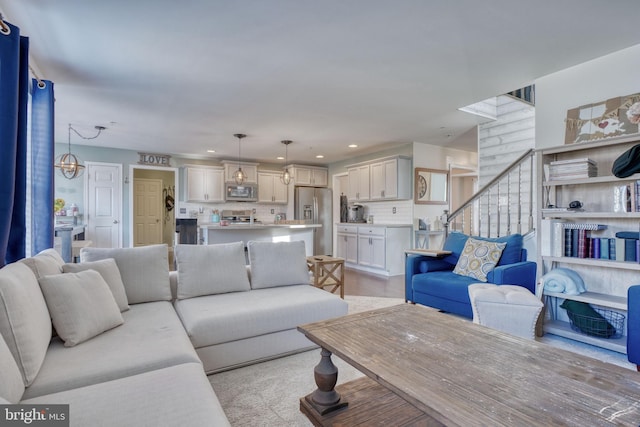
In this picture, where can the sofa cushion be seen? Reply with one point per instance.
(144, 270)
(151, 337)
(11, 383)
(211, 269)
(178, 395)
(81, 305)
(24, 319)
(277, 264)
(228, 317)
(45, 263)
(443, 284)
(478, 258)
(109, 271)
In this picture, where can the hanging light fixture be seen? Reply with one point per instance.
(239, 176)
(285, 176)
(68, 163)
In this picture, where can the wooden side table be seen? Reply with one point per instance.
(327, 272)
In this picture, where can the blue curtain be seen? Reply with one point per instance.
(42, 153)
(13, 118)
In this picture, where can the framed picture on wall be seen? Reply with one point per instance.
(430, 186)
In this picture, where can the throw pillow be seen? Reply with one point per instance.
(108, 269)
(25, 324)
(144, 270)
(81, 305)
(45, 263)
(211, 269)
(478, 258)
(277, 264)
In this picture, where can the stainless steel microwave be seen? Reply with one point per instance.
(242, 193)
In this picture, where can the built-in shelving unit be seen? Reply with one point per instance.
(606, 280)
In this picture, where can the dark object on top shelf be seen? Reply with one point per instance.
(628, 163)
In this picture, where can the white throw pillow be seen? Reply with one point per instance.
(108, 269)
(24, 319)
(81, 305)
(44, 263)
(144, 270)
(11, 383)
(211, 269)
(277, 264)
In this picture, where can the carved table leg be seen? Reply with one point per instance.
(325, 398)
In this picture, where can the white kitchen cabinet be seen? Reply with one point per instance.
(270, 188)
(204, 184)
(250, 170)
(391, 179)
(347, 243)
(376, 248)
(310, 175)
(358, 187)
(371, 247)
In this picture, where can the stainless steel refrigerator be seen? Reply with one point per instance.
(315, 204)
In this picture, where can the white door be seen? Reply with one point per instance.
(147, 212)
(103, 189)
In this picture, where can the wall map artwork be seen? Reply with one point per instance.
(613, 117)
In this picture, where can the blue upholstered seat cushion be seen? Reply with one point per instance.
(511, 253)
(443, 284)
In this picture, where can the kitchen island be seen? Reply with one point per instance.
(213, 233)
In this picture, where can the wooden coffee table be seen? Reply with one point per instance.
(423, 367)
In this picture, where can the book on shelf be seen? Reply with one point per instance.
(570, 161)
(619, 249)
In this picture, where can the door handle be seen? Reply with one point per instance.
(115, 221)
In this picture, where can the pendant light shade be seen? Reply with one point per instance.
(285, 176)
(239, 176)
(68, 163)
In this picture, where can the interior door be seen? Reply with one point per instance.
(103, 188)
(147, 215)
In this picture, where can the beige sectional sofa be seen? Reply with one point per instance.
(133, 341)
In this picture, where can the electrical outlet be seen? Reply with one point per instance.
(273, 211)
(253, 210)
(394, 209)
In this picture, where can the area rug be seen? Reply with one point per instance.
(267, 394)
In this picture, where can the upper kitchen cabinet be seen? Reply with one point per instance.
(313, 176)
(270, 188)
(250, 170)
(381, 179)
(359, 179)
(204, 184)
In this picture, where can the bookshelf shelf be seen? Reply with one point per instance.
(606, 280)
(605, 263)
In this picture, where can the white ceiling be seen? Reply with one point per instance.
(181, 77)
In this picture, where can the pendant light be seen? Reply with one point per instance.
(285, 176)
(68, 163)
(239, 176)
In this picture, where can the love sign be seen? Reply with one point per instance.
(154, 159)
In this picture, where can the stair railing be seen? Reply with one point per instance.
(501, 205)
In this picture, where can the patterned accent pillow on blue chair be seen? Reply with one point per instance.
(478, 258)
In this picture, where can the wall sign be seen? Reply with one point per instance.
(154, 159)
(613, 117)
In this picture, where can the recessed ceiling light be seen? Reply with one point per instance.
(279, 158)
(353, 145)
(211, 151)
(319, 156)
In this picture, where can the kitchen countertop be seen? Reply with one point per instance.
(217, 226)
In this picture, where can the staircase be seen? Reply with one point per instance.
(504, 206)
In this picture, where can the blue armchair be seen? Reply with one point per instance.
(633, 325)
(431, 281)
